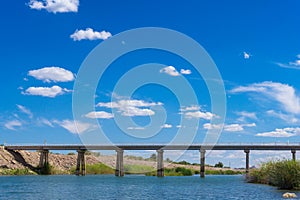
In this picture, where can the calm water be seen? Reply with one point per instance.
(133, 187)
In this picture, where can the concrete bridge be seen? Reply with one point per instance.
(160, 148)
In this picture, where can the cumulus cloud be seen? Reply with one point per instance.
(25, 110)
(228, 127)
(245, 114)
(99, 115)
(285, 132)
(131, 108)
(199, 114)
(190, 108)
(52, 74)
(246, 55)
(75, 127)
(194, 111)
(185, 71)
(90, 34)
(55, 6)
(45, 91)
(166, 126)
(170, 70)
(283, 94)
(12, 125)
(293, 65)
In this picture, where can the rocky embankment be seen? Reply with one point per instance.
(63, 163)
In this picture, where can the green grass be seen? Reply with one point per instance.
(284, 174)
(16, 172)
(222, 172)
(178, 171)
(138, 169)
(98, 168)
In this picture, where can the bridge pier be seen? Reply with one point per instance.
(160, 163)
(293, 151)
(44, 155)
(119, 163)
(81, 165)
(202, 163)
(247, 151)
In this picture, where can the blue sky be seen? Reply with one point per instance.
(255, 46)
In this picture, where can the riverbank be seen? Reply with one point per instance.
(25, 163)
(284, 174)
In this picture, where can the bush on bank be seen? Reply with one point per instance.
(284, 174)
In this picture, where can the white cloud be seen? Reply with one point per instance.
(166, 126)
(75, 127)
(12, 125)
(228, 127)
(284, 94)
(285, 132)
(131, 108)
(285, 117)
(90, 34)
(134, 111)
(45, 91)
(245, 114)
(190, 108)
(293, 65)
(45, 122)
(55, 6)
(193, 111)
(170, 70)
(55, 74)
(136, 128)
(25, 110)
(99, 114)
(210, 126)
(185, 71)
(246, 55)
(199, 114)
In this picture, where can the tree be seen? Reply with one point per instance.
(152, 157)
(219, 165)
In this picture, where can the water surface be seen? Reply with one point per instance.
(133, 187)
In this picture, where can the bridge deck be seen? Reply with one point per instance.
(277, 147)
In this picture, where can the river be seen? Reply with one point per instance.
(133, 187)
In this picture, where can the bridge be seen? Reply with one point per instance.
(160, 148)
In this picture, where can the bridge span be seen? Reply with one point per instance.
(160, 148)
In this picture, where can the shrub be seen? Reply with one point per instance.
(284, 174)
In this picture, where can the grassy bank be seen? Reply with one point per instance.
(284, 174)
(18, 172)
(223, 172)
(98, 168)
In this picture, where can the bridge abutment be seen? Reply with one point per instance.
(202, 163)
(119, 163)
(293, 151)
(81, 164)
(160, 163)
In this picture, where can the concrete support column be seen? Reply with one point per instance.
(119, 163)
(81, 165)
(160, 163)
(293, 151)
(44, 154)
(202, 163)
(247, 151)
